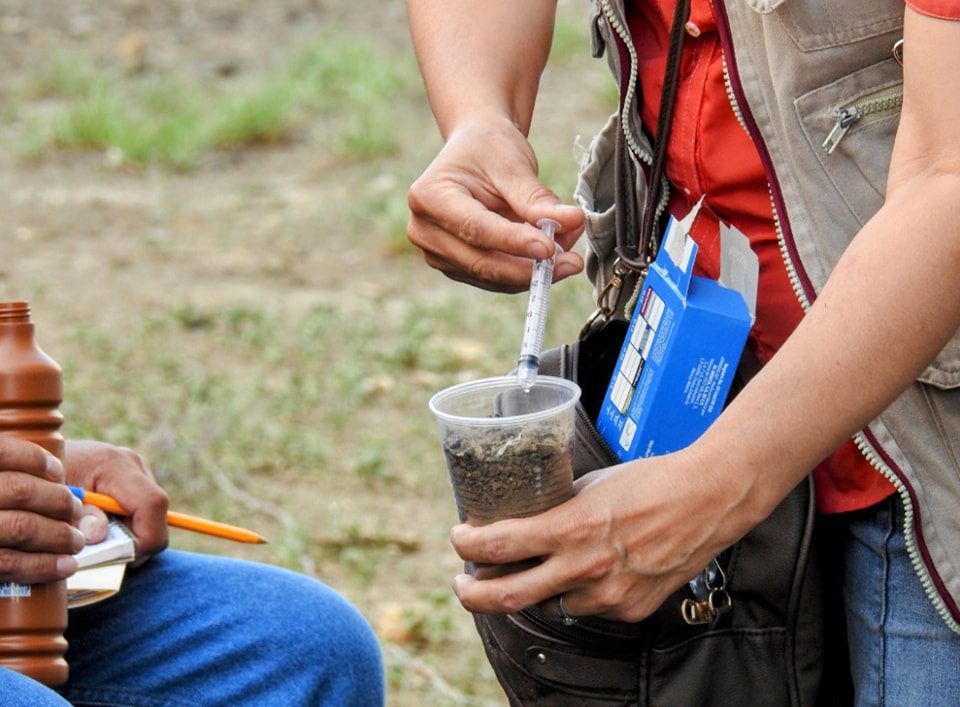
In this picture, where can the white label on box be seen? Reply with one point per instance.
(655, 312)
(645, 334)
(629, 430)
(647, 345)
(631, 365)
(621, 394)
(647, 294)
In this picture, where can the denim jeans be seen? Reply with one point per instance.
(191, 629)
(901, 651)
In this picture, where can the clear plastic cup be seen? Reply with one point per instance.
(509, 452)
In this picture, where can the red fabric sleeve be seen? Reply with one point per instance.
(944, 9)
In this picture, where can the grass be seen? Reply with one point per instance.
(383, 211)
(570, 43)
(343, 86)
(62, 76)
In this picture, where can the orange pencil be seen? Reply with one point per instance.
(174, 519)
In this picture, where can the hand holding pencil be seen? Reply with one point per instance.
(124, 474)
(174, 518)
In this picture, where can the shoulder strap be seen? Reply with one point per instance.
(637, 246)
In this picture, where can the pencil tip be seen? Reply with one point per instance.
(263, 541)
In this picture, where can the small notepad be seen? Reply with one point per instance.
(102, 567)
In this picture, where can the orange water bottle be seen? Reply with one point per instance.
(32, 617)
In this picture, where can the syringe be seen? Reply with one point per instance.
(528, 365)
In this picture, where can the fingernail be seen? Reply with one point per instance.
(89, 525)
(565, 269)
(539, 251)
(66, 566)
(460, 581)
(77, 507)
(79, 540)
(53, 469)
(568, 208)
(455, 533)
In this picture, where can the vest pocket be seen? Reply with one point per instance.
(850, 125)
(855, 158)
(944, 372)
(822, 24)
(595, 195)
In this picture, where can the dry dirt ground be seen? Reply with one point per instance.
(88, 240)
(84, 217)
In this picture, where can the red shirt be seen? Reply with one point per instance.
(944, 9)
(710, 155)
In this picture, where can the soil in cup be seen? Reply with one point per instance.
(508, 472)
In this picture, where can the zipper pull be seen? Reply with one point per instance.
(845, 118)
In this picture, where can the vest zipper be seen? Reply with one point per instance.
(849, 115)
(617, 26)
(792, 274)
(730, 95)
(801, 289)
(910, 540)
(628, 100)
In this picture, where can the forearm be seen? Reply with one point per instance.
(481, 58)
(890, 305)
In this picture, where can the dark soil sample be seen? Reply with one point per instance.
(506, 472)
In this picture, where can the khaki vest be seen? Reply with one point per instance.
(795, 69)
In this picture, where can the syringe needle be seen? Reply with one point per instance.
(528, 365)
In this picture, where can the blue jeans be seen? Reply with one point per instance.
(192, 629)
(901, 651)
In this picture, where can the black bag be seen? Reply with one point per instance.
(766, 648)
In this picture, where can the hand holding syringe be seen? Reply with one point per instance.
(528, 365)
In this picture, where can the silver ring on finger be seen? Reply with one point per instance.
(565, 618)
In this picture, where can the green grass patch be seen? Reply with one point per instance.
(260, 117)
(65, 75)
(384, 212)
(345, 86)
(570, 40)
(356, 88)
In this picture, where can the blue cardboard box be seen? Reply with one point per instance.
(682, 347)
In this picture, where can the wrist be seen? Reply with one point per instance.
(732, 486)
(482, 118)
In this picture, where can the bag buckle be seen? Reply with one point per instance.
(698, 612)
(607, 297)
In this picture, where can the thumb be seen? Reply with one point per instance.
(93, 524)
(531, 200)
